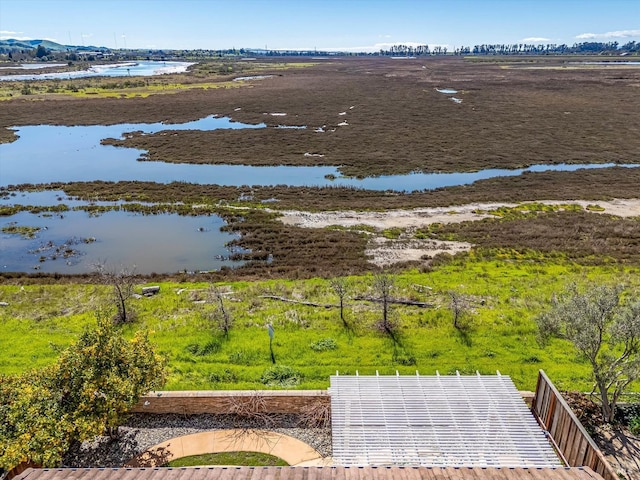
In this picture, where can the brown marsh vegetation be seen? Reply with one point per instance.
(399, 123)
(579, 236)
(396, 122)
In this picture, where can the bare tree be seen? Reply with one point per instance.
(340, 287)
(383, 285)
(459, 305)
(220, 315)
(603, 329)
(122, 282)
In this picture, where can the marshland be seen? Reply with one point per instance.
(222, 171)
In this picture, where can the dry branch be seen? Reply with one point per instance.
(395, 301)
(249, 408)
(365, 299)
(308, 304)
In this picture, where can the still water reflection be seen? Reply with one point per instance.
(125, 69)
(74, 242)
(45, 153)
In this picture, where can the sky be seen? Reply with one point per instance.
(347, 25)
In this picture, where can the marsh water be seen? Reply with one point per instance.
(46, 153)
(124, 69)
(75, 241)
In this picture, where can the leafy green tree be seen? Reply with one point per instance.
(35, 426)
(605, 330)
(103, 374)
(41, 52)
(87, 392)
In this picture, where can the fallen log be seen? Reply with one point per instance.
(395, 301)
(359, 299)
(149, 291)
(299, 302)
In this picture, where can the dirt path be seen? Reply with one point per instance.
(385, 251)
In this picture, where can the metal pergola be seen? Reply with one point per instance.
(440, 420)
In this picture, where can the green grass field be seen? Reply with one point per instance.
(499, 331)
(248, 459)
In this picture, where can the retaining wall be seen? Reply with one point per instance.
(223, 401)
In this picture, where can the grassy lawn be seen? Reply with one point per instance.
(498, 332)
(245, 459)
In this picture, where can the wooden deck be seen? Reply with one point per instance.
(312, 473)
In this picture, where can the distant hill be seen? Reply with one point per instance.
(48, 44)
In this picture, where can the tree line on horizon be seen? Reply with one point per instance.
(585, 48)
(517, 49)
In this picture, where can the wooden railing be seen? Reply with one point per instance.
(569, 436)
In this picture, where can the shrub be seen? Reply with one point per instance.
(634, 425)
(406, 359)
(628, 413)
(226, 376)
(595, 208)
(531, 359)
(242, 357)
(212, 346)
(323, 345)
(281, 376)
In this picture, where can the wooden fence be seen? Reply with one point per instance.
(568, 434)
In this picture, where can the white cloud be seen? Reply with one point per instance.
(616, 34)
(535, 39)
(14, 37)
(8, 34)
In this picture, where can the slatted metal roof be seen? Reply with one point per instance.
(458, 421)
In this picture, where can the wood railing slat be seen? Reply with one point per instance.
(573, 441)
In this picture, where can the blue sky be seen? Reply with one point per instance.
(358, 25)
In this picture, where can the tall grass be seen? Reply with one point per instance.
(499, 331)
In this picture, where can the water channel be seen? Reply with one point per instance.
(125, 69)
(35, 157)
(74, 241)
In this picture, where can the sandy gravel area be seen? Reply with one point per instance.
(386, 251)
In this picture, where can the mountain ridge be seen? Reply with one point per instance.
(48, 44)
